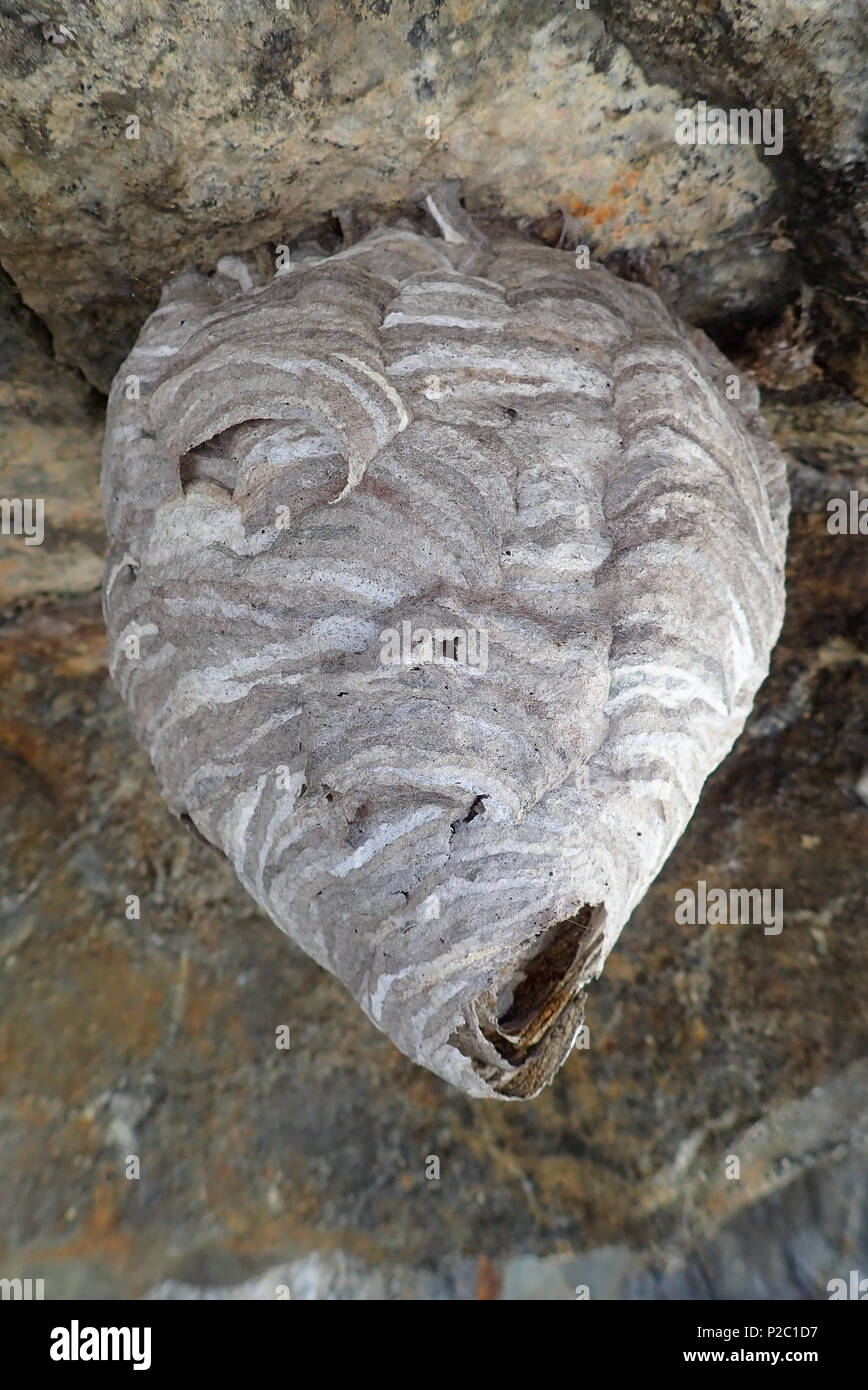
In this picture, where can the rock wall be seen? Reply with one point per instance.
(170, 134)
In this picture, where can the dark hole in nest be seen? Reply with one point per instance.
(534, 1018)
(546, 974)
(477, 806)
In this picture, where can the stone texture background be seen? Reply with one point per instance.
(155, 1037)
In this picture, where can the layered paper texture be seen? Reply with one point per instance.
(441, 575)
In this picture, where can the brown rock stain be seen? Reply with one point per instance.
(488, 1281)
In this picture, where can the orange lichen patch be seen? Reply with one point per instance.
(630, 179)
(611, 213)
(574, 206)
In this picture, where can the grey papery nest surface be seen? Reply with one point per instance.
(440, 435)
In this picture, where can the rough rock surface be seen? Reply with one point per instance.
(254, 122)
(156, 1036)
(463, 436)
(808, 60)
(51, 426)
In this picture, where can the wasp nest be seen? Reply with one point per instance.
(442, 573)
